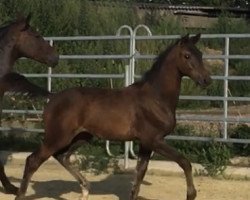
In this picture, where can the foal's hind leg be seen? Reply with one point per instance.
(9, 188)
(63, 157)
(141, 168)
(160, 147)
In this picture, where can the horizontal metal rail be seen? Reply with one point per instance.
(233, 78)
(17, 129)
(144, 37)
(213, 57)
(87, 38)
(93, 57)
(143, 57)
(181, 117)
(208, 139)
(75, 75)
(171, 137)
(214, 98)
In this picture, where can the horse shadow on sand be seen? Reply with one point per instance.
(118, 186)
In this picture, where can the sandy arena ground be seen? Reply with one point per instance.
(52, 182)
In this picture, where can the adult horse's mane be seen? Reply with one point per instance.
(3, 31)
(4, 28)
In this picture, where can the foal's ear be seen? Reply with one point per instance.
(195, 38)
(184, 39)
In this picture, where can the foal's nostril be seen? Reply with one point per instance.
(207, 81)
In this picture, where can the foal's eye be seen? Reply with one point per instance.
(187, 56)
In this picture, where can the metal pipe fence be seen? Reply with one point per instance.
(129, 77)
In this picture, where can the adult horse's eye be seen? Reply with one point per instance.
(187, 56)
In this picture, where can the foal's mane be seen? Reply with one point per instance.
(149, 75)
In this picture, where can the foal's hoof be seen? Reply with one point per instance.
(191, 195)
(20, 198)
(85, 195)
(11, 189)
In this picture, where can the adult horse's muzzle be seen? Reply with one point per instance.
(52, 61)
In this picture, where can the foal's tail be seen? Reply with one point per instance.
(17, 83)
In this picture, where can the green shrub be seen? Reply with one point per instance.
(214, 157)
(94, 158)
(242, 131)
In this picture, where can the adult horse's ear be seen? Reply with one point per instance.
(195, 38)
(26, 22)
(28, 18)
(184, 39)
(20, 17)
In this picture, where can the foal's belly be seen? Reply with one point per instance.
(110, 124)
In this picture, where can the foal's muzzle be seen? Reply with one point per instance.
(204, 81)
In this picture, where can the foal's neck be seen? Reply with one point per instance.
(167, 83)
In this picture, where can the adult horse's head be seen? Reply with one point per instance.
(29, 43)
(190, 61)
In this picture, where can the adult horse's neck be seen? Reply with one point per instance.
(8, 56)
(7, 60)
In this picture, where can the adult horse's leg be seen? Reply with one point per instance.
(63, 157)
(33, 162)
(159, 146)
(9, 188)
(141, 168)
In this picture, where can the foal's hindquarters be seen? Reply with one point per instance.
(65, 131)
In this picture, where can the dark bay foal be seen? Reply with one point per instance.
(144, 111)
(18, 39)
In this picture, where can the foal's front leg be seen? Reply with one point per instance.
(162, 148)
(141, 168)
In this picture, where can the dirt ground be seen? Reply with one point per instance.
(52, 182)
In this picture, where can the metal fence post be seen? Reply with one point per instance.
(132, 78)
(226, 73)
(127, 144)
(49, 72)
(128, 75)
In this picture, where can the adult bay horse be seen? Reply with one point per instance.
(143, 111)
(19, 39)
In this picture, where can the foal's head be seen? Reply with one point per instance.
(189, 60)
(29, 43)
